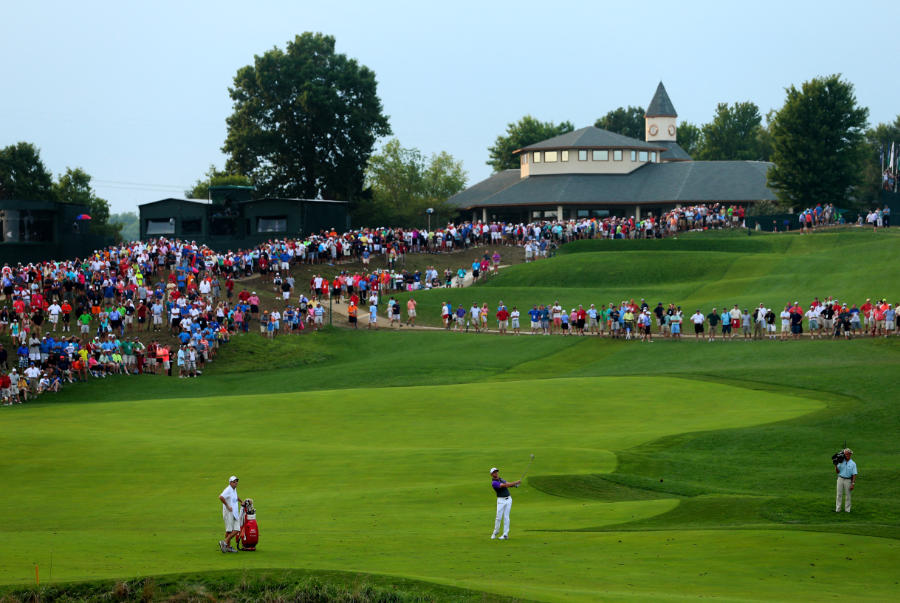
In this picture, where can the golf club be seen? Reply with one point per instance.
(527, 468)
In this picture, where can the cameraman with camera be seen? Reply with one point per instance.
(846, 481)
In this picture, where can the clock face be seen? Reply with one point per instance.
(653, 130)
(672, 130)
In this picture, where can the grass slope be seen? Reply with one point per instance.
(694, 271)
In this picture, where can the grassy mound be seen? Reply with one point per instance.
(694, 271)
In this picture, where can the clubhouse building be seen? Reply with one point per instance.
(592, 172)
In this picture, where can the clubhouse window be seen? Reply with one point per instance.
(617, 155)
(653, 156)
(583, 213)
(551, 156)
(564, 156)
(601, 156)
(582, 155)
(642, 156)
(537, 156)
(634, 155)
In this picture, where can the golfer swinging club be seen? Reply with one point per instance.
(231, 513)
(504, 502)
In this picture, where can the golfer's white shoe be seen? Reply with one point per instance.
(493, 536)
(504, 537)
(222, 545)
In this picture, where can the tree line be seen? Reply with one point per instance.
(306, 120)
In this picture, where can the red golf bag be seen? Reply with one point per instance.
(249, 536)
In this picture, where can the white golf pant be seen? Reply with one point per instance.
(503, 506)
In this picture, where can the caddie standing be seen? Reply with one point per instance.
(230, 513)
(504, 502)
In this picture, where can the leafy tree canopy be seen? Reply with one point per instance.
(74, 186)
(522, 133)
(878, 143)
(690, 138)
(305, 121)
(214, 177)
(818, 143)
(23, 175)
(733, 134)
(130, 225)
(625, 121)
(404, 184)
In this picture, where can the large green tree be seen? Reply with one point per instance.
(305, 121)
(522, 133)
(74, 186)
(130, 224)
(733, 134)
(690, 138)
(23, 175)
(404, 184)
(627, 121)
(818, 143)
(215, 177)
(878, 143)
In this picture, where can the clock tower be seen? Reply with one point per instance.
(661, 119)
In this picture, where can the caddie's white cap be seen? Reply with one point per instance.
(494, 469)
(233, 478)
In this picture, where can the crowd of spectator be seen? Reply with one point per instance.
(79, 319)
(632, 320)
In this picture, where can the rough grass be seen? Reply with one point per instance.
(250, 587)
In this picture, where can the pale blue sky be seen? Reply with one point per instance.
(136, 94)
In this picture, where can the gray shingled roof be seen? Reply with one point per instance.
(673, 152)
(484, 189)
(590, 137)
(661, 106)
(677, 182)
